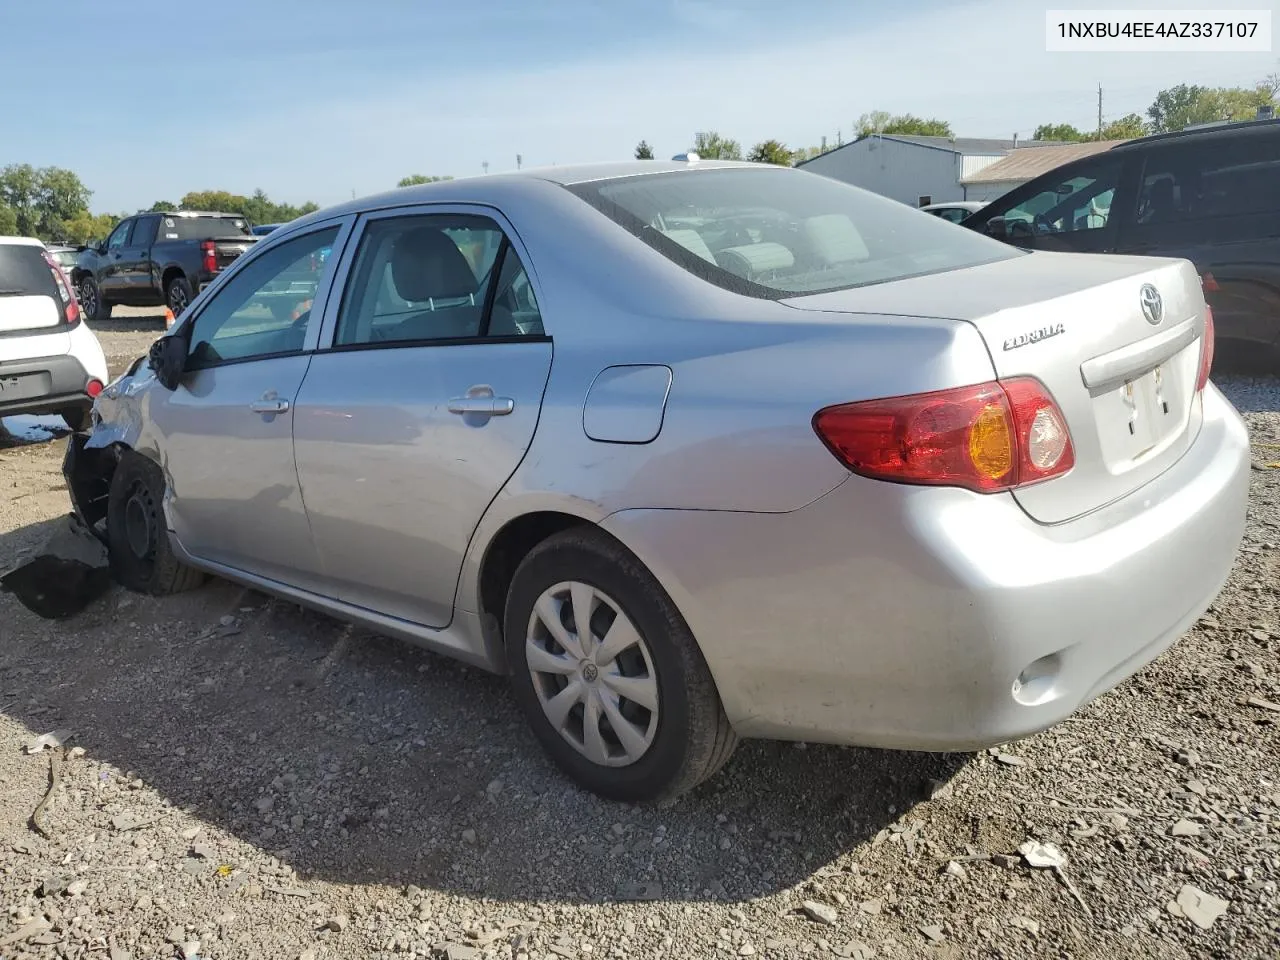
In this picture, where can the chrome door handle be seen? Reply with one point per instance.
(269, 406)
(488, 406)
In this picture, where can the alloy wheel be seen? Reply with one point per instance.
(593, 674)
(177, 299)
(89, 298)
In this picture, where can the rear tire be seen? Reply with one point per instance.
(178, 295)
(661, 752)
(137, 536)
(91, 302)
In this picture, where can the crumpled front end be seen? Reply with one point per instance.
(116, 424)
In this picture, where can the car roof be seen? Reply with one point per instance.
(478, 189)
(190, 213)
(1216, 130)
(22, 241)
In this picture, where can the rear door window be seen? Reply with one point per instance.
(430, 278)
(1210, 178)
(144, 232)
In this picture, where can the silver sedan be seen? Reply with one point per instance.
(693, 451)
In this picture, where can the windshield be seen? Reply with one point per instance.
(777, 233)
(202, 228)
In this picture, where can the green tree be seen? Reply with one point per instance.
(257, 209)
(770, 151)
(1059, 131)
(1185, 105)
(1127, 127)
(416, 178)
(644, 151)
(806, 153)
(711, 146)
(19, 191)
(161, 205)
(62, 197)
(8, 221)
(879, 121)
(88, 227)
(42, 200)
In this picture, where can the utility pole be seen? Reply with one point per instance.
(519, 160)
(485, 165)
(1099, 111)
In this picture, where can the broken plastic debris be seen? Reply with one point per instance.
(1199, 907)
(53, 740)
(69, 573)
(1042, 856)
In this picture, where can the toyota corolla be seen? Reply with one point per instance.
(693, 451)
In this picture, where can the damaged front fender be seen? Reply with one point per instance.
(91, 458)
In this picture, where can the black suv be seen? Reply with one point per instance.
(1208, 194)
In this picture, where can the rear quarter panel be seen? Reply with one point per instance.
(747, 377)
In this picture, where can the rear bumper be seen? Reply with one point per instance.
(64, 386)
(895, 616)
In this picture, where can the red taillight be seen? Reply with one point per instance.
(987, 437)
(70, 306)
(1206, 350)
(210, 252)
(93, 388)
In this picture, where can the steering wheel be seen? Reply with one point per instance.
(1042, 224)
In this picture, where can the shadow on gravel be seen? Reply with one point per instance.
(152, 323)
(359, 759)
(1250, 394)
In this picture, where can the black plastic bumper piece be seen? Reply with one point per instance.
(88, 474)
(63, 380)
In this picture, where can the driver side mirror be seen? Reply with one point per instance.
(998, 228)
(168, 358)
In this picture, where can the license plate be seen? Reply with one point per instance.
(1150, 414)
(24, 386)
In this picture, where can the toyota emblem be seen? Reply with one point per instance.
(1152, 304)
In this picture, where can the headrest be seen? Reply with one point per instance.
(692, 241)
(427, 265)
(834, 239)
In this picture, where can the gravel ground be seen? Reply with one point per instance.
(252, 780)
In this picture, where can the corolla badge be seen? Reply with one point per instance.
(1034, 336)
(1152, 304)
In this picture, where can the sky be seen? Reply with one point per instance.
(320, 99)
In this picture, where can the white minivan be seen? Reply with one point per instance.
(50, 361)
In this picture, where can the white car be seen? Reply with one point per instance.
(954, 210)
(50, 361)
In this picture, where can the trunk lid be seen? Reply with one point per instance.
(1120, 361)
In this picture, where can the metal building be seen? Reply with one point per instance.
(914, 170)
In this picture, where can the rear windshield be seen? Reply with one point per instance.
(24, 272)
(779, 233)
(202, 228)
